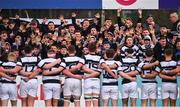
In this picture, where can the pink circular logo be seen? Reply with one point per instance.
(126, 2)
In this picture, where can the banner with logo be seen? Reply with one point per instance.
(130, 4)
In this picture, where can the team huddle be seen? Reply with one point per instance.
(89, 67)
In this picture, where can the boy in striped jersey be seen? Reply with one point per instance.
(9, 89)
(148, 74)
(73, 85)
(129, 87)
(92, 75)
(109, 83)
(2, 74)
(169, 81)
(129, 45)
(28, 85)
(51, 78)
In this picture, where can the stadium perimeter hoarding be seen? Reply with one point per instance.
(89, 4)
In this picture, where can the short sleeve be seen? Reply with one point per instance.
(63, 64)
(120, 69)
(138, 69)
(178, 63)
(41, 64)
(118, 63)
(81, 61)
(19, 64)
(140, 65)
(101, 62)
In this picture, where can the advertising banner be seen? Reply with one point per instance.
(130, 4)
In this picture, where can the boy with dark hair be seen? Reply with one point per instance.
(73, 85)
(129, 87)
(28, 85)
(148, 74)
(169, 81)
(109, 83)
(92, 75)
(51, 79)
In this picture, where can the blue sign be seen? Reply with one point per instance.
(51, 4)
(169, 4)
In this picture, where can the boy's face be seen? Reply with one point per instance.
(36, 51)
(93, 31)
(129, 41)
(16, 53)
(162, 42)
(106, 46)
(163, 30)
(86, 24)
(54, 48)
(128, 23)
(85, 50)
(4, 36)
(5, 21)
(146, 42)
(78, 35)
(51, 26)
(178, 46)
(63, 51)
(71, 28)
(145, 33)
(11, 26)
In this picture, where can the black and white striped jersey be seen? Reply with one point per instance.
(147, 71)
(71, 61)
(92, 61)
(9, 65)
(135, 49)
(129, 64)
(168, 65)
(143, 49)
(50, 78)
(29, 63)
(108, 80)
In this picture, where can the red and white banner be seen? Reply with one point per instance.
(130, 4)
